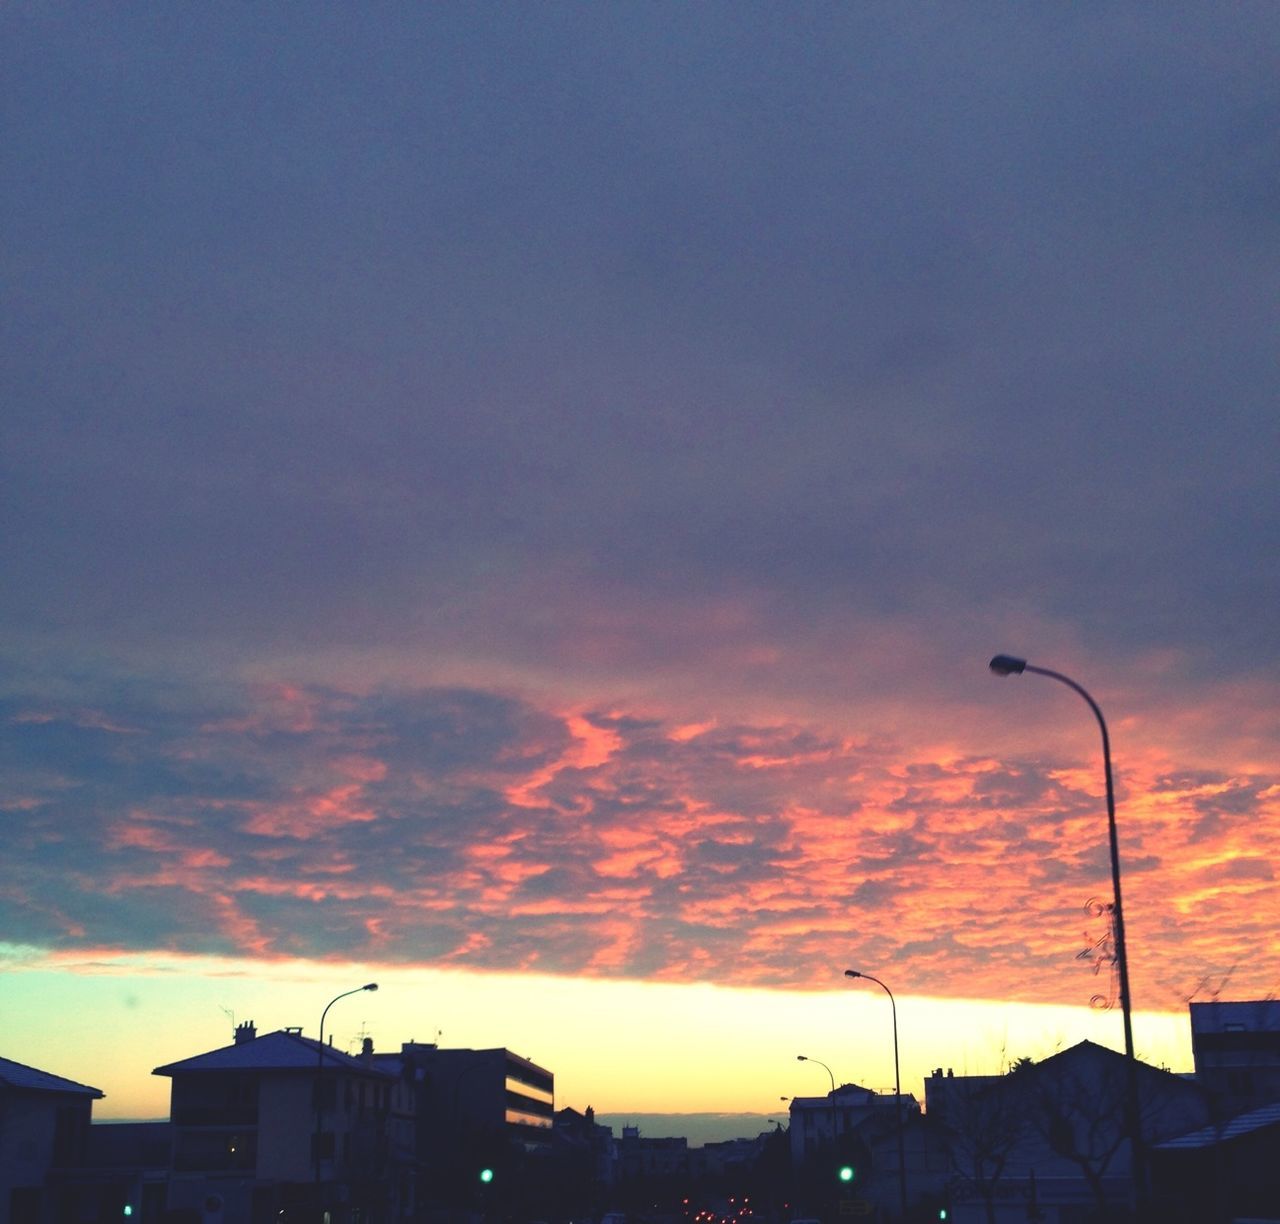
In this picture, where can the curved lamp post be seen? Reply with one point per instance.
(820, 1063)
(320, 1071)
(897, 1086)
(832, 1078)
(1010, 665)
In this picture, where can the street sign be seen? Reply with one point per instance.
(855, 1207)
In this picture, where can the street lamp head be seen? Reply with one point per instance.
(1008, 665)
(369, 986)
(852, 973)
(801, 1058)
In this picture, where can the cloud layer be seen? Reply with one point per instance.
(537, 488)
(328, 328)
(467, 828)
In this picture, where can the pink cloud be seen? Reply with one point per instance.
(475, 829)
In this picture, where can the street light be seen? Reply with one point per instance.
(320, 1073)
(820, 1063)
(897, 1086)
(806, 1058)
(1010, 665)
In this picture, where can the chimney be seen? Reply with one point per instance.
(366, 1049)
(245, 1032)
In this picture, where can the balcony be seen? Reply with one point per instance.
(199, 1152)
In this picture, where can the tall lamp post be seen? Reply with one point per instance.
(897, 1086)
(832, 1078)
(320, 1075)
(1009, 665)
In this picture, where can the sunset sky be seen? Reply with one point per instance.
(516, 502)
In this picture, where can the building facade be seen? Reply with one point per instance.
(44, 1130)
(276, 1124)
(1236, 1047)
(817, 1124)
(468, 1122)
(1049, 1140)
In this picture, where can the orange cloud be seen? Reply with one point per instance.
(473, 828)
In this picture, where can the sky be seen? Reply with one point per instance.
(516, 502)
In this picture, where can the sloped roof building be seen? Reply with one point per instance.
(44, 1127)
(273, 1123)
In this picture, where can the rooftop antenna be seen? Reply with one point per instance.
(361, 1035)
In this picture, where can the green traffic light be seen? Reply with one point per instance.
(847, 1173)
(486, 1176)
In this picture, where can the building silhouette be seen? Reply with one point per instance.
(278, 1127)
(44, 1132)
(277, 1123)
(1236, 1047)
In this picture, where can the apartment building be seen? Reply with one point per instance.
(1236, 1047)
(279, 1123)
(44, 1129)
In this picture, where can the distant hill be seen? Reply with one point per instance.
(698, 1128)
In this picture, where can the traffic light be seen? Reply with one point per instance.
(486, 1175)
(847, 1173)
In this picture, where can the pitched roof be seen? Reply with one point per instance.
(1090, 1050)
(29, 1079)
(278, 1051)
(1242, 1124)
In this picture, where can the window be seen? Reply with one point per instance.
(536, 1092)
(325, 1092)
(70, 1133)
(215, 1151)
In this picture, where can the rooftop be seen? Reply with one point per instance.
(30, 1079)
(279, 1051)
(1221, 1132)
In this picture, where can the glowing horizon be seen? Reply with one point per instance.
(688, 1048)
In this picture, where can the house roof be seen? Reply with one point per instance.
(278, 1051)
(1084, 1051)
(1242, 1124)
(30, 1079)
(846, 1095)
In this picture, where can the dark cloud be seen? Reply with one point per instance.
(1244, 869)
(539, 487)
(332, 329)
(1236, 799)
(870, 893)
